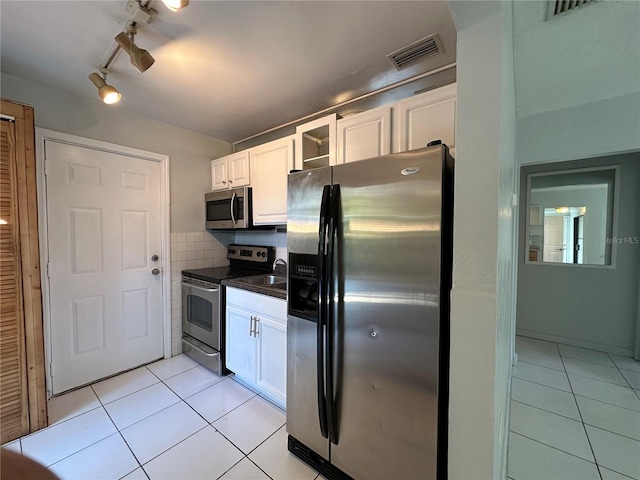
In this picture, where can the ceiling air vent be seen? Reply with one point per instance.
(417, 51)
(556, 7)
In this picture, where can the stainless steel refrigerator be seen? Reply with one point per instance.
(370, 252)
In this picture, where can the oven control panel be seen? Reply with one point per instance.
(251, 253)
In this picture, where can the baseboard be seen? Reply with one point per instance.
(625, 352)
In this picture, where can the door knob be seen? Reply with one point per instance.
(155, 271)
(155, 258)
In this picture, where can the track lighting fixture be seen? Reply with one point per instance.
(140, 58)
(175, 5)
(107, 93)
(139, 15)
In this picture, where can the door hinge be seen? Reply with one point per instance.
(51, 369)
(49, 269)
(46, 167)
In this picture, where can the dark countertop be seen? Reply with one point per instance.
(264, 290)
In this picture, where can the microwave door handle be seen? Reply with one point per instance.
(233, 208)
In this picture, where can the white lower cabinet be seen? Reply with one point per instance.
(256, 342)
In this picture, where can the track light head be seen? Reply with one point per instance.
(140, 58)
(175, 5)
(107, 93)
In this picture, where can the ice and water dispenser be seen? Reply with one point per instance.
(303, 286)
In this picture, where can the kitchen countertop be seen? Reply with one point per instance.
(262, 289)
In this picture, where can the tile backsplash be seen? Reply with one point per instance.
(193, 250)
(268, 238)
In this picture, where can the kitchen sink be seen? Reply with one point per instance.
(273, 281)
(264, 280)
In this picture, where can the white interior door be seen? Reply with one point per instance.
(104, 226)
(554, 246)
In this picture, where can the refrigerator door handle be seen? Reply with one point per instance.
(322, 310)
(332, 275)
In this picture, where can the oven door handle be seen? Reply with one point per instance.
(190, 285)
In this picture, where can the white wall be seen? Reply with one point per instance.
(482, 300)
(590, 130)
(189, 152)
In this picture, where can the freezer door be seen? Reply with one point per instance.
(302, 392)
(304, 194)
(388, 301)
(303, 416)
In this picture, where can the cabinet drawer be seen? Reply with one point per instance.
(255, 302)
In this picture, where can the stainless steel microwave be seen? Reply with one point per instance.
(228, 209)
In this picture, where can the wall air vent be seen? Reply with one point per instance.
(557, 7)
(417, 51)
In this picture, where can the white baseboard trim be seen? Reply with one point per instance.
(625, 352)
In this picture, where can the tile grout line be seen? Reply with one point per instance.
(637, 412)
(120, 433)
(554, 448)
(575, 396)
(620, 371)
(538, 365)
(542, 384)
(545, 410)
(102, 405)
(584, 428)
(199, 414)
(184, 400)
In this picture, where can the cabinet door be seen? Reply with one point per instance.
(316, 143)
(421, 119)
(272, 358)
(238, 165)
(270, 165)
(365, 135)
(219, 174)
(240, 345)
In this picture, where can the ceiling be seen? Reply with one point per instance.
(233, 69)
(228, 69)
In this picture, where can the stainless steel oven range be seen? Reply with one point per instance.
(203, 303)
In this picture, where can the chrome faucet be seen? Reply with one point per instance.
(279, 261)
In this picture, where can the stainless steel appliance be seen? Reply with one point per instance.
(370, 252)
(228, 209)
(203, 302)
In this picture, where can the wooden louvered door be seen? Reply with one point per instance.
(22, 387)
(14, 403)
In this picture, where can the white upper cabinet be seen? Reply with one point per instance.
(238, 165)
(270, 165)
(423, 118)
(231, 171)
(316, 143)
(364, 135)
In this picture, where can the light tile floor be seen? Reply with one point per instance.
(171, 419)
(575, 414)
